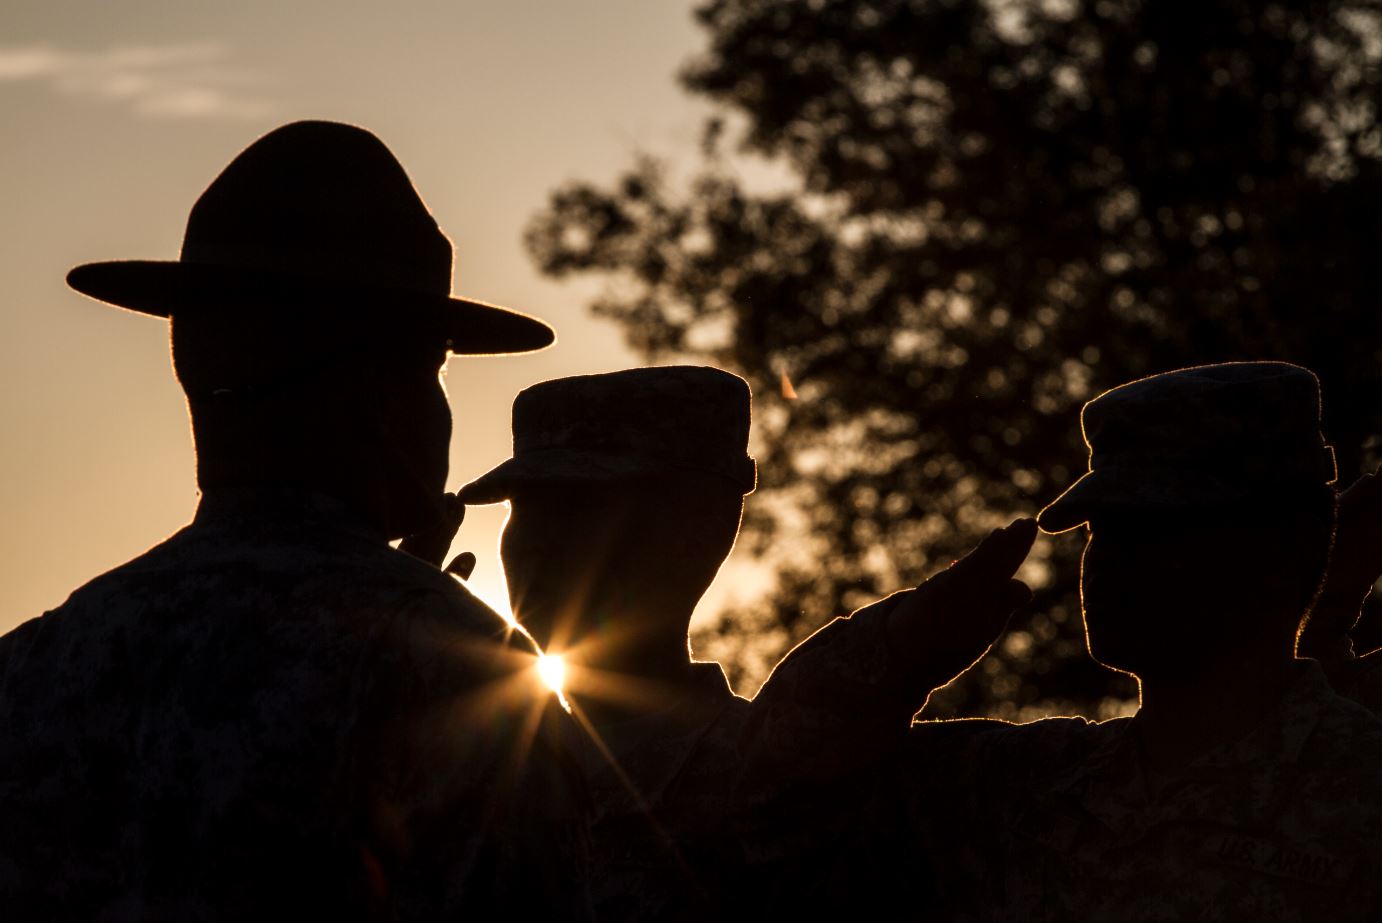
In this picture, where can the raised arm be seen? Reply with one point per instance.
(1355, 564)
(829, 754)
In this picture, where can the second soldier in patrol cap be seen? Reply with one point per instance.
(626, 491)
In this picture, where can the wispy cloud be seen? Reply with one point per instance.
(187, 80)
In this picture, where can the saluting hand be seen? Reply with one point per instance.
(1355, 564)
(941, 628)
(432, 544)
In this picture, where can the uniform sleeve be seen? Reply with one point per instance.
(834, 706)
(835, 795)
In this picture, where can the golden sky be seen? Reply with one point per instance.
(117, 115)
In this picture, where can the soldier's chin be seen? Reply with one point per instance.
(1116, 661)
(1114, 650)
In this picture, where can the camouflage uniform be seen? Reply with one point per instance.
(1061, 820)
(1281, 824)
(1057, 819)
(274, 714)
(816, 802)
(660, 843)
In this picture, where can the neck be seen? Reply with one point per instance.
(315, 458)
(359, 504)
(646, 642)
(625, 659)
(1217, 700)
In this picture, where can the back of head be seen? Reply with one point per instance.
(320, 399)
(311, 304)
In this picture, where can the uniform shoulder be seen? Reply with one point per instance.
(312, 584)
(415, 576)
(1000, 752)
(1347, 729)
(432, 621)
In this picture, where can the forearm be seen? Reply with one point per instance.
(835, 702)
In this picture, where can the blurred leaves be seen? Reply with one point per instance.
(996, 210)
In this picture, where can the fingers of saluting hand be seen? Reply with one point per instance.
(943, 626)
(980, 582)
(455, 512)
(1360, 522)
(1358, 541)
(431, 545)
(996, 558)
(1363, 497)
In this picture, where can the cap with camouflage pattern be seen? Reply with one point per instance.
(626, 424)
(1210, 435)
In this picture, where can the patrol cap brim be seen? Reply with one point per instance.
(1071, 509)
(1113, 492)
(568, 466)
(1117, 492)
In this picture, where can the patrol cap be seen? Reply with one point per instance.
(1211, 435)
(637, 422)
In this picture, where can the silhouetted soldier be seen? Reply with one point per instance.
(627, 490)
(273, 713)
(626, 493)
(1244, 788)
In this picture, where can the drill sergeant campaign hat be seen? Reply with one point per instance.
(1212, 435)
(322, 212)
(634, 423)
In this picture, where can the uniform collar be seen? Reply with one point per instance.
(1113, 784)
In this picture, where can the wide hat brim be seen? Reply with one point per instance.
(162, 288)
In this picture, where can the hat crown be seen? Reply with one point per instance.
(321, 199)
(621, 426)
(668, 418)
(1208, 435)
(315, 213)
(1226, 409)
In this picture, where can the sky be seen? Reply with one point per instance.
(117, 116)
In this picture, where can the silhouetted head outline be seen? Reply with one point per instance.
(1209, 510)
(311, 314)
(626, 491)
(1211, 435)
(315, 212)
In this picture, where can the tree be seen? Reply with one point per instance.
(996, 210)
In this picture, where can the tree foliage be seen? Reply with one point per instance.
(995, 211)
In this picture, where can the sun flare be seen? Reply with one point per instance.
(552, 669)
